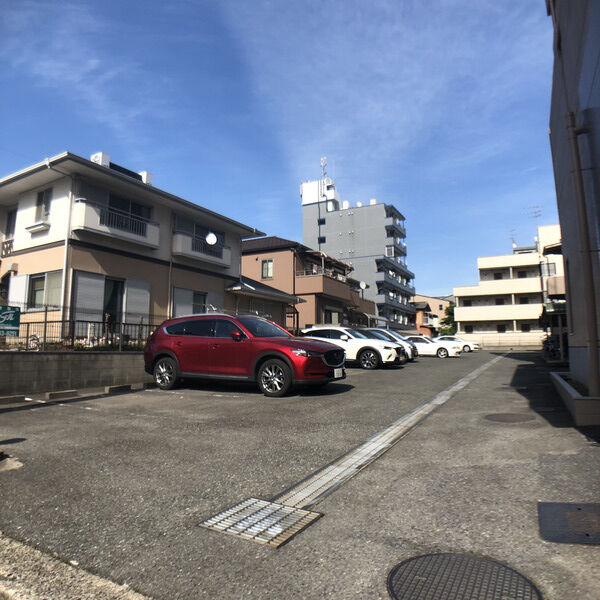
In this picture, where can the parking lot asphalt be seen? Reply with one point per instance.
(118, 485)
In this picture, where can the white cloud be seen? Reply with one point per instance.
(369, 84)
(63, 47)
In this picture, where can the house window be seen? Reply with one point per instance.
(113, 300)
(37, 285)
(11, 219)
(501, 328)
(522, 274)
(44, 289)
(321, 221)
(42, 205)
(497, 275)
(525, 327)
(321, 240)
(467, 303)
(468, 328)
(499, 301)
(267, 269)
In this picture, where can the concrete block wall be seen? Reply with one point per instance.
(35, 372)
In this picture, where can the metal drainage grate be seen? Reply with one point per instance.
(509, 418)
(454, 576)
(261, 521)
(566, 523)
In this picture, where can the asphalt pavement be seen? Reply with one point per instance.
(102, 497)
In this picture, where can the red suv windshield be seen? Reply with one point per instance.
(261, 328)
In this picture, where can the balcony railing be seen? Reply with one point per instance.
(197, 248)
(101, 219)
(319, 271)
(7, 248)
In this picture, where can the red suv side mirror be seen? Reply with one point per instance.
(236, 336)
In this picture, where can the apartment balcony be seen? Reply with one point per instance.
(503, 312)
(395, 263)
(384, 302)
(7, 248)
(332, 285)
(526, 285)
(556, 286)
(393, 227)
(393, 283)
(102, 220)
(197, 248)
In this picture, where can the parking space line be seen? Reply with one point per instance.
(323, 482)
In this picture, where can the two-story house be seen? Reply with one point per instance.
(92, 241)
(324, 284)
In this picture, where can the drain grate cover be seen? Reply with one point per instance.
(566, 523)
(261, 521)
(458, 576)
(510, 417)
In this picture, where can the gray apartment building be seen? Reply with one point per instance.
(370, 238)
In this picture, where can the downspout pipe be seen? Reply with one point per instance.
(586, 257)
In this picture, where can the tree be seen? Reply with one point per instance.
(448, 323)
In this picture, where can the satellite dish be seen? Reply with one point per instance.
(211, 239)
(362, 285)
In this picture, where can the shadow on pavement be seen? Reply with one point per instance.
(531, 379)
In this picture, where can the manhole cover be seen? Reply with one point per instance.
(458, 576)
(509, 417)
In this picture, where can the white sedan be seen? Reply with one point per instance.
(428, 347)
(369, 353)
(467, 346)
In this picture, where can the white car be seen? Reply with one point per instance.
(409, 348)
(467, 346)
(369, 353)
(428, 347)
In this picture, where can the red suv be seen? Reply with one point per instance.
(239, 348)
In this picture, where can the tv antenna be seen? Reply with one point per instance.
(323, 165)
(535, 212)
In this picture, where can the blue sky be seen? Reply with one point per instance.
(440, 108)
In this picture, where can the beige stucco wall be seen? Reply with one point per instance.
(35, 261)
(283, 269)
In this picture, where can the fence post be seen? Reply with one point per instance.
(27, 336)
(45, 326)
(121, 335)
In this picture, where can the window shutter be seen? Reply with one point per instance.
(88, 297)
(182, 302)
(17, 291)
(137, 300)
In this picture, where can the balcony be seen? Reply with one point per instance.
(394, 227)
(526, 285)
(397, 285)
(503, 312)
(88, 216)
(197, 248)
(384, 301)
(395, 264)
(333, 285)
(7, 248)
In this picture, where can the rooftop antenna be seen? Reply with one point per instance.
(535, 212)
(323, 165)
(512, 237)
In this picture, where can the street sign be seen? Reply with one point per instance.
(10, 319)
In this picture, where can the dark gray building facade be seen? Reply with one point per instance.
(370, 238)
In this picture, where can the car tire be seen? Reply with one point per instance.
(467, 348)
(442, 353)
(369, 359)
(165, 373)
(274, 378)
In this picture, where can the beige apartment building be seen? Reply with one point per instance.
(328, 293)
(89, 240)
(504, 308)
